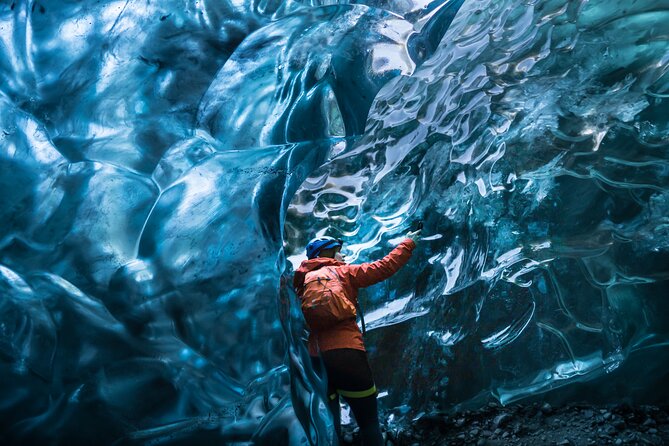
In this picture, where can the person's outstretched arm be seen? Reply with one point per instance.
(368, 274)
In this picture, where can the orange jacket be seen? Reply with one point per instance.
(347, 334)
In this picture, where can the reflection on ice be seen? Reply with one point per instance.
(391, 313)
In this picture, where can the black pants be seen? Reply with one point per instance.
(349, 375)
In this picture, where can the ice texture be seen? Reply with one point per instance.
(163, 164)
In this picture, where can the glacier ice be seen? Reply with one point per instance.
(163, 163)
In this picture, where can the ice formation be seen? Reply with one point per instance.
(163, 164)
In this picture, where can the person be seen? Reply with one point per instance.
(340, 349)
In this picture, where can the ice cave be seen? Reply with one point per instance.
(164, 163)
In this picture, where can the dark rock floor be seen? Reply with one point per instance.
(534, 424)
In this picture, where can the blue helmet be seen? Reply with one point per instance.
(316, 245)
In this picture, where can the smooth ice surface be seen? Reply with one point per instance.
(163, 164)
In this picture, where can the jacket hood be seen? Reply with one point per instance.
(312, 265)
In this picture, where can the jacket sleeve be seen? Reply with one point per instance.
(367, 274)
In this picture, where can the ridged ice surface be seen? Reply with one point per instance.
(163, 164)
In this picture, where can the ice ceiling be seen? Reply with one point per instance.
(163, 163)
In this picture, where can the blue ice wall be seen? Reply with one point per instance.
(163, 163)
(534, 146)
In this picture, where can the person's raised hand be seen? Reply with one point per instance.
(414, 235)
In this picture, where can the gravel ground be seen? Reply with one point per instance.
(534, 424)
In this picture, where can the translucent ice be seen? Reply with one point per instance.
(163, 164)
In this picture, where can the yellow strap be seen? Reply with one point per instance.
(333, 396)
(359, 393)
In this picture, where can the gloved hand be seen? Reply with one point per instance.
(414, 235)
